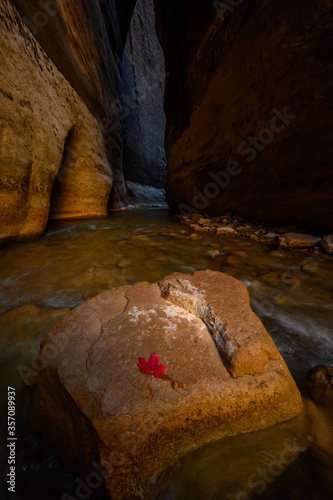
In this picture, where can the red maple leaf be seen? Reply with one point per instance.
(152, 367)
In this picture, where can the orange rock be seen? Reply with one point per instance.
(91, 403)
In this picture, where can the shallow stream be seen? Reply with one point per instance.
(291, 292)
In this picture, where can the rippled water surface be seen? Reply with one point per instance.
(291, 292)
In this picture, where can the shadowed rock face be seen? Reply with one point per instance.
(225, 376)
(248, 109)
(144, 119)
(61, 96)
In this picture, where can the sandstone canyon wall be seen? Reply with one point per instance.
(247, 100)
(60, 92)
(144, 119)
(248, 105)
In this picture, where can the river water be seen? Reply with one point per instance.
(291, 292)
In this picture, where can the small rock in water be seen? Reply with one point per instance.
(225, 230)
(204, 221)
(270, 236)
(321, 375)
(239, 253)
(124, 263)
(297, 241)
(202, 229)
(327, 243)
(213, 253)
(233, 261)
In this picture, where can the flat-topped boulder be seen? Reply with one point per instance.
(92, 404)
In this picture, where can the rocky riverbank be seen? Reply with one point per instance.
(290, 237)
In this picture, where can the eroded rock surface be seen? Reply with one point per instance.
(60, 113)
(92, 404)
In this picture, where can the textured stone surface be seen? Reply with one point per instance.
(295, 241)
(48, 137)
(144, 159)
(327, 243)
(91, 403)
(61, 94)
(227, 75)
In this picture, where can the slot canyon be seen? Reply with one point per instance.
(166, 249)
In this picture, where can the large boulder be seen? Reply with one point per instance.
(93, 405)
(247, 120)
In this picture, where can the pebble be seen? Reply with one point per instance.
(239, 253)
(202, 229)
(124, 263)
(225, 230)
(327, 243)
(213, 253)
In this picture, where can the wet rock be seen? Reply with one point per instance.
(225, 230)
(124, 263)
(295, 241)
(321, 375)
(319, 407)
(202, 229)
(239, 253)
(326, 243)
(233, 261)
(195, 236)
(213, 253)
(270, 236)
(91, 403)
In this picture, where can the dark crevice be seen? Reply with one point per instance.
(66, 162)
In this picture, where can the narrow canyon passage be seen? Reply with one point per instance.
(139, 139)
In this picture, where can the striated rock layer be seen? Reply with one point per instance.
(60, 113)
(248, 104)
(95, 408)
